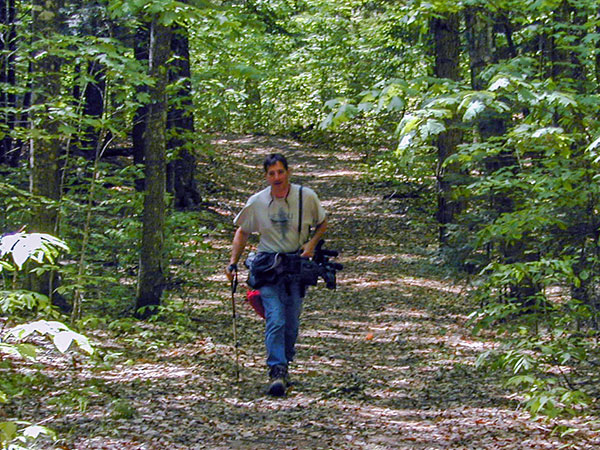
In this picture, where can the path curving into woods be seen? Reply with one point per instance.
(384, 362)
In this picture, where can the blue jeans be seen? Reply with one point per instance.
(283, 305)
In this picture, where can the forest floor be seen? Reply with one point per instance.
(386, 361)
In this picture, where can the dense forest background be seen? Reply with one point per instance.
(109, 111)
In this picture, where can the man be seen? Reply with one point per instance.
(274, 214)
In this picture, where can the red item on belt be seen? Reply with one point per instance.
(253, 297)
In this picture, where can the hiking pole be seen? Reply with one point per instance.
(234, 283)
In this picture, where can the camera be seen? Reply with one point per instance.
(266, 268)
(320, 266)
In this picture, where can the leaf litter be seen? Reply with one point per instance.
(384, 362)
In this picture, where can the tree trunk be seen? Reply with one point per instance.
(566, 61)
(253, 102)
(491, 124)
(480, 43)
(482, 53)
(151, 271)
(446, 37)
(93, 106)
(180, 123)
(9, 151)
(569, 70)
(45, 152)
(5, 142)
(142, 38)
(597, 68)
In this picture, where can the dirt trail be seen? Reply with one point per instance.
(384, 362)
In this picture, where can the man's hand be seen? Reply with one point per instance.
(239, 242)
(229, 270)
(308, 250)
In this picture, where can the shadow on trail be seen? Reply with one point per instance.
(387, 360)
(384, 362)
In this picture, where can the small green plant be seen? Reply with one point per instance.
(122, 409)
(538, 360)
(19, 435)
(15, 251)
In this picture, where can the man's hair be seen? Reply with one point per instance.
(272, 159)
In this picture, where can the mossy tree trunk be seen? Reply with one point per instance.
(151, 277)
(44, 150)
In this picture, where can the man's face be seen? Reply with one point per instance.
(277, 176)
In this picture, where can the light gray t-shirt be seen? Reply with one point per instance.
(276, 220)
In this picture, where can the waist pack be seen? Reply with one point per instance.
(263, 268)
(269, 268)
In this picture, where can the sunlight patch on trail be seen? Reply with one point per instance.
(383, 257)
(402, 283)
(339, 173)
(332, 334)
(148, 371)
(353, 206)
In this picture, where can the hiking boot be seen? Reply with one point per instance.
(278, 381)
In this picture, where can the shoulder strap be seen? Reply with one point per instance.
(300, 211)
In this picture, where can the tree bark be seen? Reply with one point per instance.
(446, 36)
(5, 143)
(566, 61)
(141, 42)
(151, 277)
(45, 152)
(491, 124)
(180, 123)
(93, 106)
(597, 68)
(9, 151)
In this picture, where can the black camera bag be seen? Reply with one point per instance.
(263, 268)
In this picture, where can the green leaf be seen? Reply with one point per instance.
(27, 350)
(473, 110)
(346, 111)
(482, 357)
(499, 84)
(562, 99)
(396, 103)
(365, 106)
(60, 334)
(333, 103)
(519, 380)
(432, 128)
(326, 122)
(8, 431)
(6, 266)
(545, 131)
(36, 246)
(167, 18)
(593, 146)
(406, 141)
(409, 123)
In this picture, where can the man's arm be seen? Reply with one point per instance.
(237, 248)
(308, 249)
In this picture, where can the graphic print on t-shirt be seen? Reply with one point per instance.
(279, 214)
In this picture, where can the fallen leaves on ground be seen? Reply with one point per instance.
(384, 362)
